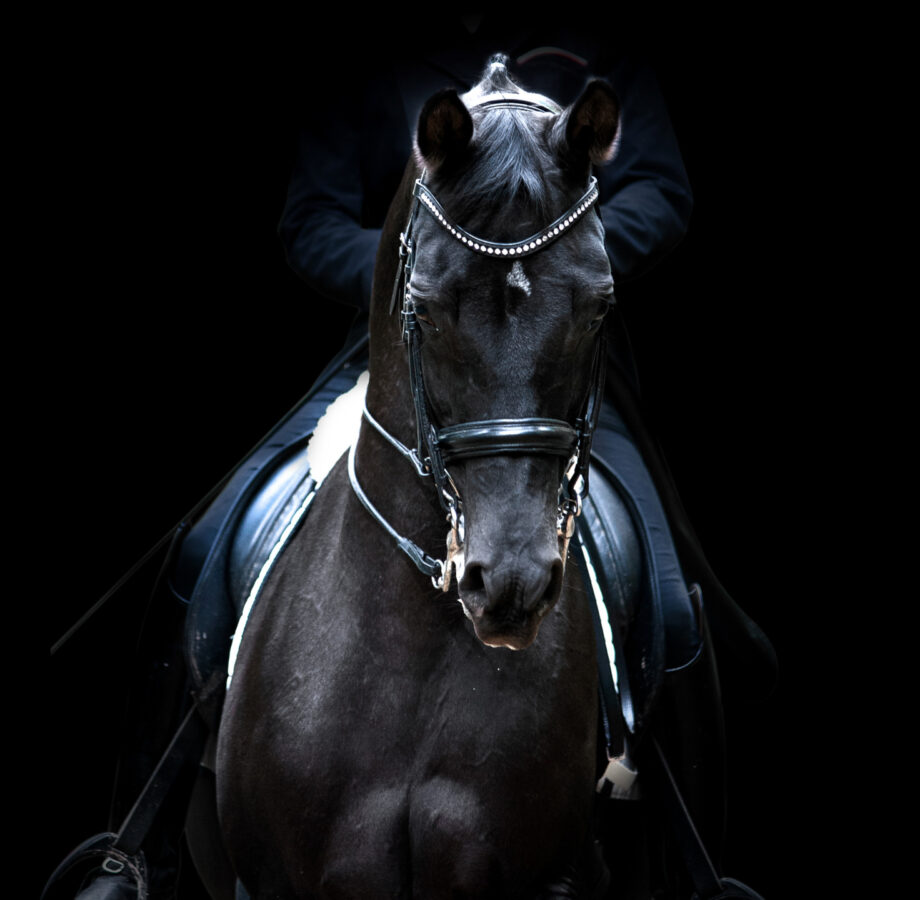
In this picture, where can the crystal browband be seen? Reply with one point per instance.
(519, 248)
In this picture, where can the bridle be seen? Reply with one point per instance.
(438, 446)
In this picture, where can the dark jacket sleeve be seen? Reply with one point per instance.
(646, 199)
(325, 238)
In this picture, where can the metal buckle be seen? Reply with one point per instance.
(565, 519)
(569, 511)
(422, 467)
(408, 316)
(620, 775)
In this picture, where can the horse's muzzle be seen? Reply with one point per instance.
(507, 600)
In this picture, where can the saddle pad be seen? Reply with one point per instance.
(270, 521)
(226, 548)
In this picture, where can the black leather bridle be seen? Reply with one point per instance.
(438, 446)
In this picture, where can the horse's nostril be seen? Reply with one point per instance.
(472, 580)
(506, 590)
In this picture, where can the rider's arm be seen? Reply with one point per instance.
(321, 228)
(646, 198)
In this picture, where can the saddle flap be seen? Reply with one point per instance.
(234, 558)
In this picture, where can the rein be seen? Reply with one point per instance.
(436, 447)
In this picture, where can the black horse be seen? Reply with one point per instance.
(377, 737)
(380, 738)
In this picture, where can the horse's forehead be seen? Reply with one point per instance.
(566, 267)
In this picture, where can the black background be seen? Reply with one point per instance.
(180, 336)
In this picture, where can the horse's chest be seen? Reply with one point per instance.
(442, 836)
(454, 794)
(364, 750)
(435, 763)
(461, 714)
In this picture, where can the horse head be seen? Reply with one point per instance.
(508, 339)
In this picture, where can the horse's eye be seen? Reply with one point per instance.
(598, 320)
(422, 314)
(608, 301)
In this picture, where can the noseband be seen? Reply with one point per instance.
(438, 446)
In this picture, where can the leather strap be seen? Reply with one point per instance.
(187, 743)
(700, 867)
(426, 564)
(184, 750)
(498, 436)
(707, 883)
(516, 100)
(428, 445)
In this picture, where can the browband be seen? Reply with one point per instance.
(519, 248)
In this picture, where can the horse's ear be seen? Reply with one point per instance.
(445, 128)
(588, 131)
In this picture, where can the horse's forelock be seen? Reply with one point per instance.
(511, 161)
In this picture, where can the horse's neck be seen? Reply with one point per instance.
(407, 500)
(389, 392)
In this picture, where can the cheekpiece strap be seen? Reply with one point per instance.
(519, 248)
